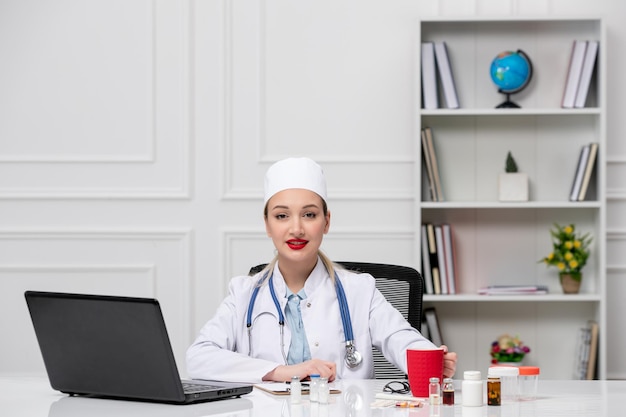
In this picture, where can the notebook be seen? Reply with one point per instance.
(114, 347)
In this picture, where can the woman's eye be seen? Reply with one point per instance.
(280, 216)
(309, 215)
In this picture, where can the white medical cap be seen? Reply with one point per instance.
(303, 173)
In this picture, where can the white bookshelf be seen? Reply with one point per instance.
(501, 243)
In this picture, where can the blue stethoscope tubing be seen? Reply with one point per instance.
(353, 358)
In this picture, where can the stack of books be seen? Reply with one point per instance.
(513, 290)
(584, 169)
(438, 259)
(586, 351)
(436, 61)
(431, 165)
(581, 67)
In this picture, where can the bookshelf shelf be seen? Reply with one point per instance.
(511, 112)
(501, 243)
(548, 298)
(461, 205)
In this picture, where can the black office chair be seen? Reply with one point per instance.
(403, 287)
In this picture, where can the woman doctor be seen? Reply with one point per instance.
(328, 327)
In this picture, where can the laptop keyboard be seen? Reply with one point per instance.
(190, 387)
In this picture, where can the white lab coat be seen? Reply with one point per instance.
(222, 350)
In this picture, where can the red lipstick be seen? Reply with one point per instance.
(297, 244)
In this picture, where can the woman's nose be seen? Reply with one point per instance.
(296, 227)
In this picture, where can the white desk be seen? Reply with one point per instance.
(33, 397)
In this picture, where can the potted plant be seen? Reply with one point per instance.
(512, 185)
(570, 252)
(508, 350)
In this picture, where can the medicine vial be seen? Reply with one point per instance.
(295, 390)
(434, 394)
(313, 388)
(447, 391)
(323, 391)
(493, 390)
(472, 389)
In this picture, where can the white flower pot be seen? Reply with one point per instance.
(513, 186)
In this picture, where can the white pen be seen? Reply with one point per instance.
(398, 397)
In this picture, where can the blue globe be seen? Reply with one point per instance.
(510, 71)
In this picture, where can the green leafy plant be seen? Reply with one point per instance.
(510, 165)
(508, 349)
(570, 250)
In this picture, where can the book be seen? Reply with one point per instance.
(441, 258)
(591, 162)
(433, 160)
(592, 357)
(429, 77)
(589, 63)
(434, 261)
(434, 331)
(445, 75)
(580, 173)
(513, 290)
(428, 167)
(450, 257)
(580, 358)
(426, 271)
(574, 72)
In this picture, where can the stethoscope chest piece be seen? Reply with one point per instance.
(353, 357)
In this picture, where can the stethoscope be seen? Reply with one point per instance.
(353, 358)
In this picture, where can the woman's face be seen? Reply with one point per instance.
(297, 224)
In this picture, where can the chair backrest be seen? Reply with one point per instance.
(403, 287)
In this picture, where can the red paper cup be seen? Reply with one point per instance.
(422, 365)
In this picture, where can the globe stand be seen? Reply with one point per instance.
(508, 104)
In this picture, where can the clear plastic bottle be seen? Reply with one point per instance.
(295, 390)
(509, 381)
(323, 391)
(434, 391)
(472, 389)
(313, 388)
(447, 391)
(528, 377)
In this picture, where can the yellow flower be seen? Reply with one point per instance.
(570, 250)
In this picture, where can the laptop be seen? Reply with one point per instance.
(114, 347)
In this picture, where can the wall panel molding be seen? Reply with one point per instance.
(147, 154)
(141, 262)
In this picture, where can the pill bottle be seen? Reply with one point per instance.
(508, 379)
(323, 391)
(295, 390)
(434, 391)
(528, 378)
(472, 389)
(447, 391)
(313, 388)
(494, 390)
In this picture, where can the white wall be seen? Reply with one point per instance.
(134, 136)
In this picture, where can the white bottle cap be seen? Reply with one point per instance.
(503, 371)
(472, 375)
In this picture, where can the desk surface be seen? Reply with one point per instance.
(33, 397)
